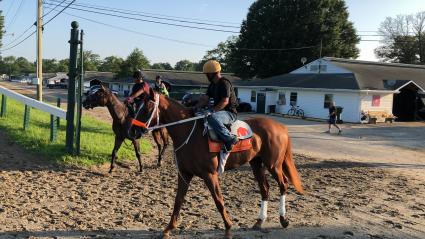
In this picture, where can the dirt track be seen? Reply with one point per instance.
(343, 200)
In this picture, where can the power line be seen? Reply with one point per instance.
(57, 14)
(150, 16)
(51, 10)
(23, 33)
(17, 44)
(8, 10)
(156, 14)
(16, 13)
(136, 32)
(151, 21)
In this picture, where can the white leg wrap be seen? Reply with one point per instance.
(263, 211)
(282, 209)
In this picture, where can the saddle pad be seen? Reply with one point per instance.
(238, 128)
(242, 145)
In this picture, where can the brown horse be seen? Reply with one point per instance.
(271, 152)
(121, 124)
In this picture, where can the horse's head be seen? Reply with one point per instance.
(98, 95)
(150, 110)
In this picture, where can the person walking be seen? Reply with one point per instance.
(332, 118)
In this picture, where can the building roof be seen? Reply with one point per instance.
(322, 81)
(365, 75)
(381, 76)
(177, 78)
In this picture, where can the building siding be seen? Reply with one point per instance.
(312, 102)
(386, 103)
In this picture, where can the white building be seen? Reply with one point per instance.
(356, 86)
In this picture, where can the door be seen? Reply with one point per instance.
(261, 103)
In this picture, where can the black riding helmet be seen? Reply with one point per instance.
(138, 74)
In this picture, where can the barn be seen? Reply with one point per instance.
(357, 86)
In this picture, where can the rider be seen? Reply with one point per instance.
(160, 86)
(137, 92)
(224, 110)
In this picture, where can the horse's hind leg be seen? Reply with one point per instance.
(136, 144)
(117, 145)
(211, 180)
(157, 138)
(281, 179)
(259, 173)
(182, 187)
(164, 137)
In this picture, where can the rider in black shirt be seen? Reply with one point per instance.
(224, 110)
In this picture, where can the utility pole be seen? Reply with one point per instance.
(39, 50)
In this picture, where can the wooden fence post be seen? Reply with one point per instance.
(27, 117)
(3, 106)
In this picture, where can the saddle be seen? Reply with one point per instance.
(238, 128)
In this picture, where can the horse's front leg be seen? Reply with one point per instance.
(117, 145)
(211, 180)
(183, 186)
(136, 144)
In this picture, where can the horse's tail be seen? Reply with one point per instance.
(290, 170)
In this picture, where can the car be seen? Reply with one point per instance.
(191, 98)
(244, 107)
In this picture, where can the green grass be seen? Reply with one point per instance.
(97, 137)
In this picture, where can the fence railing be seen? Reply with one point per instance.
(55, 112)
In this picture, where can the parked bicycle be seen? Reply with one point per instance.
(296, 111)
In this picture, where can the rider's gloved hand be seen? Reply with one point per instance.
(129, 100)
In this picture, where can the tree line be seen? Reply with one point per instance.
(12, 65)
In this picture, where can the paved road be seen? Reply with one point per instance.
(50, 95)
(399, 145)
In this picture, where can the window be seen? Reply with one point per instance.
(293, 98)
(376, 100)
(282, 99)
(328, 99)
(253, 96)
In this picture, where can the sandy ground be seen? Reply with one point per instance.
(350, 193)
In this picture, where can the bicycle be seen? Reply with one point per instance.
(296, 111)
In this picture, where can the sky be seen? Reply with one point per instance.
(366, 15)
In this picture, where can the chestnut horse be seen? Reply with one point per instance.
(271, 151)
(121, 124)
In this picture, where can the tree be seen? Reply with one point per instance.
(403, 39)
(135, 61)
(111, 64)
(63, 65)
(1, 28)
(185, 65)
(91, 61)
(221, 54)
(23, 66)
(162, 66)
(283, 24)
(50, 65)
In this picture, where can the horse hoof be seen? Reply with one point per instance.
(228, 234)
(166, 234)
(284, 221)
(158, 164)
(258, 225)
(110, 171)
